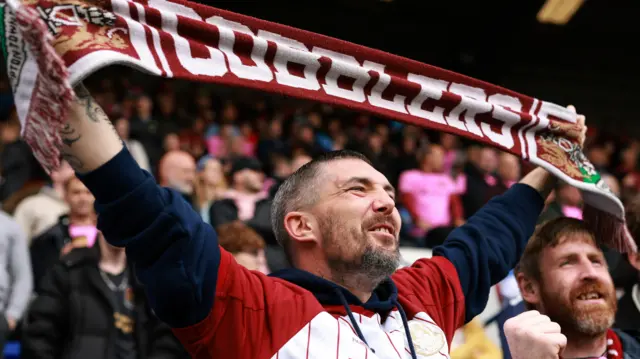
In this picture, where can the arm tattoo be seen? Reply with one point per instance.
(92, 109)
(69, 135)
(73, 161)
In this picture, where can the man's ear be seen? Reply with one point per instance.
(529, 289)
(300, 226)
(634, 259)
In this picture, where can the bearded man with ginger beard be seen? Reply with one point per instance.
(564, 276)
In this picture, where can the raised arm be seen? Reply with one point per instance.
(490, 244)
(89, 138)
(175, 253)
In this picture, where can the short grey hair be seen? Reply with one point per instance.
(298, 191)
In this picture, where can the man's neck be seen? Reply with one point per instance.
(143, 116)
(585, 347)
(112, 260)
(82, 220)
(352, 282)
(427, 169)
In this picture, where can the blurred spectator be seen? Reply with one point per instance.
(171, 142)
(148, 130)
(567, 203)
(39, 212)
(250, 138)
(299, 161)
(16, 160)
(91, 306)
(628, 171)
(599, 156)
(167, 112)
(450, 143)
(219, 144)
(192, 139)
(613, 183)
(47, 247)
(378, 152)
(210, 185)
(509, 172)
(270, 142)
(628, 316)
(281, 169)
(477, 344)
(229, 112)
(427, 192)
(16, 282)
(177, 170)
(303, 139)
(244, 243)
(135, 147)
(245, 200)
(628, 162)
(482, 164)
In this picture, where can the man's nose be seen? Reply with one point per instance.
(589, 271)
(383, 203)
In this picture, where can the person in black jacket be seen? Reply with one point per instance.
(90, 306)
(246, 199)
(46, 248)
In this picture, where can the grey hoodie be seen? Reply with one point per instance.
(16, 280)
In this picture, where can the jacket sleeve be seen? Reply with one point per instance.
(184, 271)
(175, 253)
(22, 278)
(45, 325)
(44, 254)
(490, 244)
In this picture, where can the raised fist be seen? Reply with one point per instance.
(532, 334)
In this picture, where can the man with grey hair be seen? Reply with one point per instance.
(337, 219)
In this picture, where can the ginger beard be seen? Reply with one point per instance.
(576, 314)
(352, 254)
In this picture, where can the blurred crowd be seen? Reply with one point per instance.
(62, 286)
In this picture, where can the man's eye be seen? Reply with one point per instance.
(357, 188)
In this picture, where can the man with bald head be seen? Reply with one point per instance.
(508, 169)
(177, 170)
(508, 174)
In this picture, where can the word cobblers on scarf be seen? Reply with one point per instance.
(50, 46)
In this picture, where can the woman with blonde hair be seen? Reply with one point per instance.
(209, 186)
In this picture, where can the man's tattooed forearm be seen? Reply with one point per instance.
(92, 109)
(69, 135)
(73, 161)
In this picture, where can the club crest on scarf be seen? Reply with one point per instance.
(567, 155)
(80, 26)
(427, 338)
